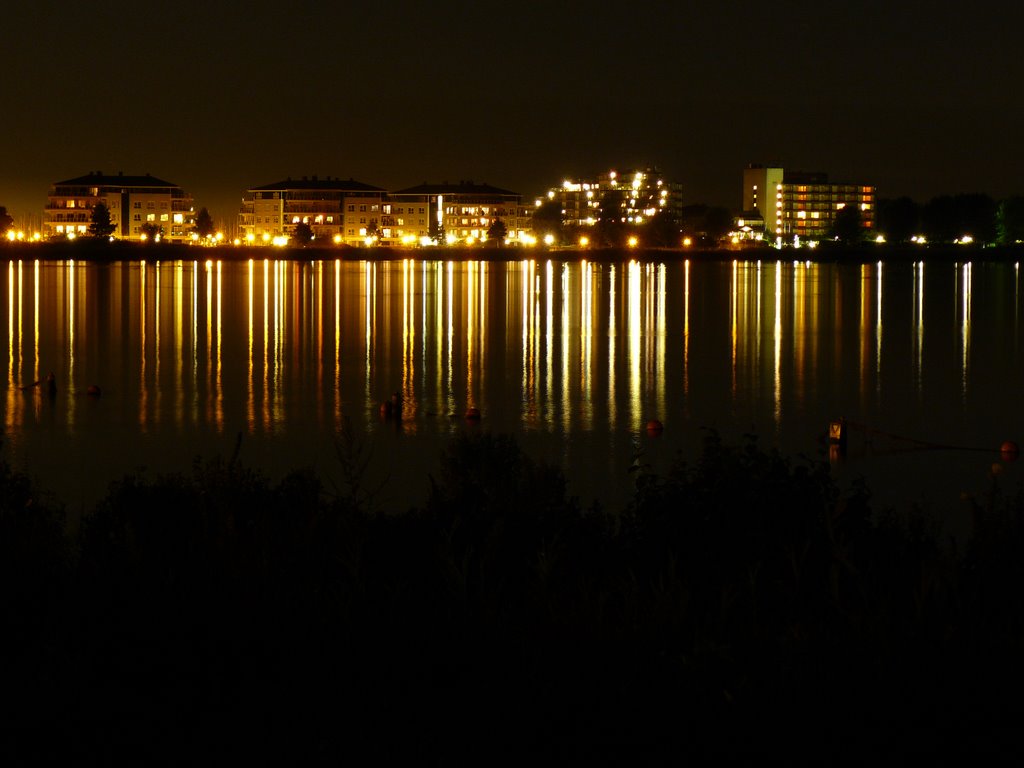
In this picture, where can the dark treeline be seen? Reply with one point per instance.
(740, 602)
(948, 218)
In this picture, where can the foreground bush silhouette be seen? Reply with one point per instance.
(740, 602)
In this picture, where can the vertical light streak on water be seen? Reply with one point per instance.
(797, 335)
(549, 345)
(612, 409)
(733, 332)
(660, 391)
(450, 389)
(35, 320)
(251, 398)
(71, 343)
(586, 339)
(157, 338)
(777, 338)
(566, 300)
(425, 291)
(862, 335)
(757, 333)
(966, 327)
(813, 273)
(20, 346)
(143, 389)
(919, 326)
(220, 335)
(211, 396)
(318, 315)
(368, 318)
(635, 331)
(526, 285)
(686, 334)
(280, 302)
(878, 333)
(470, 338)
(439, 303)
(12, 382)
(265, 402)
(179, 325)
(194, 341)
(482, 315)
(337, 344)
(1016, 306)
(408, 334)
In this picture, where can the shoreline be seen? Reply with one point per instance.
(103, 252)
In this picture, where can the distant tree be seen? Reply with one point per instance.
(847, 226)
(1010, 220)
(497, 232)
(6, 222)
(718, 222)
(372, 229)
(610, 230)
(101, 225)
(898, 220)
(547, 220)
(662, 230)
(151, 229)
(938, 219)
(977, 215)
(204, 224)
(302, 234)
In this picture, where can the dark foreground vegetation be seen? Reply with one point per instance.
(741, 602)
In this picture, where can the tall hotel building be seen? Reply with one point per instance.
(801, 204)
(337, 210)
(133, 201)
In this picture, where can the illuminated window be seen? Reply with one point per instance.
(71, 203)
(163, 217)
(150, 217)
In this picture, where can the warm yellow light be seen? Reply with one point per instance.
(549, 239)
(266, 237)
(236, 241)
(633, 241)
(687, 242)
(880, 239)
(71, 235)
(735, 240)
(425, 241)
(219, 237)
(470, 240)
(281, 240)
(11, 235)
(337, 239)
(250, 238)
(450, 239)
(143, 237)
(195, 236)
(584, 241)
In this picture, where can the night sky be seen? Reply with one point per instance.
(918, 98)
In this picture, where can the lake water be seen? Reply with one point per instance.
(572, 358)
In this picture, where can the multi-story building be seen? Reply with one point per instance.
(337, 210)
(133, 202)
(451, 213)
(802, 204)
(639, 195)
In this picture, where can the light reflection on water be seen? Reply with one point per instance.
(572, 358)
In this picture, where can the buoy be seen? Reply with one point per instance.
(93, 391)
(655, 427)
(1009, 451)
(837, 432)
(385, 409)
(473, 414)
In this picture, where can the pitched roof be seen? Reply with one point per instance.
(462, 188)
(100, 179)
(317, 183)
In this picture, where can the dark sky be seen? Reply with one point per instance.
(919, 98)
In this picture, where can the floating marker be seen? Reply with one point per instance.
(1009, 451)
(472, 414)
(655, 427)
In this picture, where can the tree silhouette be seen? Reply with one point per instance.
(899, 220)
(846, 226)
(547, 220)
(497, 232)
(204, 224)
(151, 230)
(1011, 220)
(101, 226)
(303, 234)
(6, 221)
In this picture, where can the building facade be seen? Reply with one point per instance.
(336, 210)
(133, 202)
(453, 213)
(798, 204)
(638, 196)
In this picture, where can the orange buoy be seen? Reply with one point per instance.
(655, 427)
(1009, 451)
(93, 391)
(473, 414)
(385, 409)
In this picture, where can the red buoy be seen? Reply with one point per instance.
(1009, 451)
(93, 391)
(473, 414)
(655, 427)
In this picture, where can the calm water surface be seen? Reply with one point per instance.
(571, 358)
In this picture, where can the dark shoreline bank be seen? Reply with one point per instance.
(101, 252)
